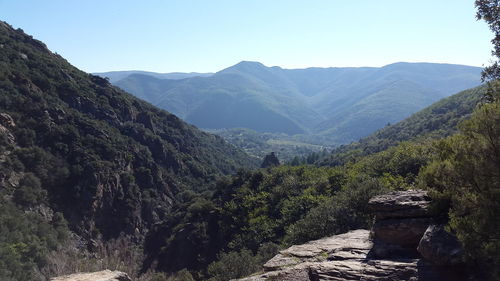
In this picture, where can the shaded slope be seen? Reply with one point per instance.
(108, 161)
(387, 105)
(436, 121)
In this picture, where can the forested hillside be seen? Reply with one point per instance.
(434, 122)
(77, 152)
(330, 105)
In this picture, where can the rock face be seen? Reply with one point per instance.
(440, 247)
(401, 231)
(105, 275)
(7, 123)
(387, 253)
(400, 204)
(6, 120)
(352, 245)
(401, 218)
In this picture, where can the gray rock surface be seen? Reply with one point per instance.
(400, 204)
(406, 231)
(346, 257)
(6, 120)
(401, 218)
(105, 275)
(440, 247)
(354, 244)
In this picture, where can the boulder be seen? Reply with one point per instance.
(105, 275)
(401, 218)
(407, 231)
(400, 204)
(440, 247)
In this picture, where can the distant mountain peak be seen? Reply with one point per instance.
(249, 63)
(245, 66)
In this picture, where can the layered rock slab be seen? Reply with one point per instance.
(400, 204)
(105, 275)
(355, 244)
(346, 257)
(401, 218)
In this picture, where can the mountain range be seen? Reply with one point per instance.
(339, 104)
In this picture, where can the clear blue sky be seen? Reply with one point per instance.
(206, 36)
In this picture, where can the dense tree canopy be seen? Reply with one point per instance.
(489, 11)
(467, 176)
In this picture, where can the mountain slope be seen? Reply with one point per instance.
(386, 105)
(109, 162)
(115, 76)
(237, 98)
(341, 104)
(436, 121)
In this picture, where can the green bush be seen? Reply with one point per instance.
(233, 265)
(466, 179)
(29, 191)
(345, 211)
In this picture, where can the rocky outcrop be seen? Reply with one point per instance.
(401, 218)
(347, 257)
(7, 123)
(440, 247)
(105, 275)
(352, 245)
(400, 204)
(401, 231)
(387, 253)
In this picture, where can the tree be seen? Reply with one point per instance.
(270, 160)
(466, 177)
(489, 11)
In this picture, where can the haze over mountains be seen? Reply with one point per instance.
(337, 104)
(115, 76)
